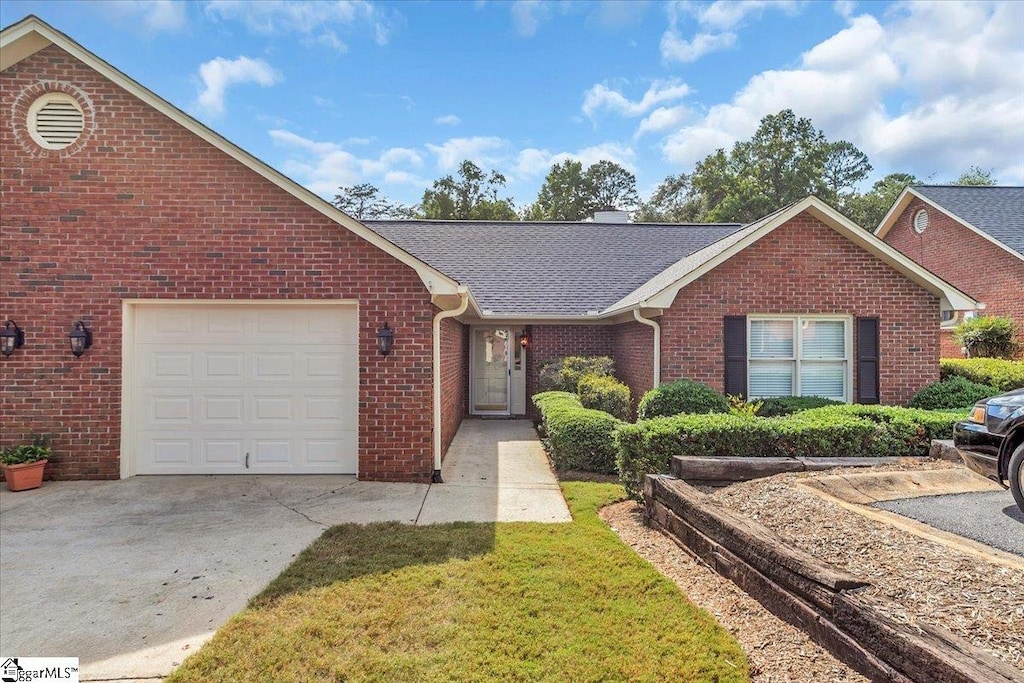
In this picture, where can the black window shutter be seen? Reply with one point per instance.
(735, 342)
(867, 361)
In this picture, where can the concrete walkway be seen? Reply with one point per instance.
(495, 471)
(132, 576)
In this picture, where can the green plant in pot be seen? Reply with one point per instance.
(24, 464)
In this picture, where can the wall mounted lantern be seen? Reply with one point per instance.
(81, 338)
(524, 340)
(385, 339)
(11, 337)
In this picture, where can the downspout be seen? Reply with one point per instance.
(657, 343)
(463, 305)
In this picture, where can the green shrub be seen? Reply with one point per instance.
(681, 396)
(777, 406)
(577, 438)
(1001, 374)
(987, 336)
(22, 454)
(606, 393)
(909, 431)
(564, 374)
(955, 392)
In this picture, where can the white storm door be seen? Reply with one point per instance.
(490, 351)
(245, 389)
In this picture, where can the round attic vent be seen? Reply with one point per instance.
(55, 120)
(920, 221)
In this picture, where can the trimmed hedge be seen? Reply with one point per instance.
(681, 396)
(955, 392)
(577, 438)
(607, 394)
(836, 431)
(564, 374)
(1004, 375)
(777, 406)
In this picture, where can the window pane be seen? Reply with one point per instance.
(823, 339)
(770, 379)
(827, 380)
(771, 338)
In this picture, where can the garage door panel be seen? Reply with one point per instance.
(276, 383)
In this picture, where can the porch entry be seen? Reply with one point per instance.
(497, 372)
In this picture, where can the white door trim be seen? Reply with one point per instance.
(129, 404)
(472, 371)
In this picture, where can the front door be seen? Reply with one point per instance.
(491, 370)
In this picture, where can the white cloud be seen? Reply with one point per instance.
(153, 16)
(532, 162)
(218, 74)
(447, 120)
(924, 88)
(717, 23)
(485, 150)
(662, 119)
(601, 97)
(324, 166)
(527, 15)
(313, 18)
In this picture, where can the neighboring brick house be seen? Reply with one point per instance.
(972, 237)
(236, 317)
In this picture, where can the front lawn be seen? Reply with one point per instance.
(464, 601)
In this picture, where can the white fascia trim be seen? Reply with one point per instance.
(904, 200)
(434, 280)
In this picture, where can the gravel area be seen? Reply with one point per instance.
(979, 601)
(777, 652)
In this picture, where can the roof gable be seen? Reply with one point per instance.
(30, 35)
(995, 213)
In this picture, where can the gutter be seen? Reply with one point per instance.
(463, 305)
(657, 343)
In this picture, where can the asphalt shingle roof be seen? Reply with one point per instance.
(997, 211)
(534, 268)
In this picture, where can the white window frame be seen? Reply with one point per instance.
(797, 359)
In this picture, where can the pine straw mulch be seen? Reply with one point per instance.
(935, 584)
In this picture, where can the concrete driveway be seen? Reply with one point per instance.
(132, 576)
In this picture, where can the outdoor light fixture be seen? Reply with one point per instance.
(81, 338)
(524, 340)
(385, 339)
(11, 337)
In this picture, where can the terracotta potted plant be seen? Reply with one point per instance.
(23, 465)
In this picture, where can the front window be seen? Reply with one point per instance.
(799, 356)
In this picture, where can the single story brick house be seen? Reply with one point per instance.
(237, 322)
(972, 237)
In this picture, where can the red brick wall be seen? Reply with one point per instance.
(633, 350)
(143, 209)
(454, 378)
(554, 341)
(805, 267)
(965, 259)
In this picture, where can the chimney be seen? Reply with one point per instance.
(611, 216)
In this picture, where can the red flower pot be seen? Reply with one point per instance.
(26, 476)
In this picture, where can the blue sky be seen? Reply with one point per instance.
(397, 94)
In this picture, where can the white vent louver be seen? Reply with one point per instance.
(920, 221)
(56, 121)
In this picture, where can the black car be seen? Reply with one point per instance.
(991, 440)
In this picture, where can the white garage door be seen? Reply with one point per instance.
(245, 389)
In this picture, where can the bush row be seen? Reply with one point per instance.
(954, 392)
(845, 431)
(577, 438)
(1001, 374)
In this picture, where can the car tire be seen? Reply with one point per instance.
(1015, 473)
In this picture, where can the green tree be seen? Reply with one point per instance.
(672, 202)
(365, 202)
(610, 186)
(473, 196)
(786, 159)
(570, 193)
(867, 210)
(976, 175)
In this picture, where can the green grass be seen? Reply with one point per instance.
(472, 602)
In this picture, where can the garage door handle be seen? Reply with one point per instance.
(246, 461)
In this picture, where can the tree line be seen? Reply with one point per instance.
(785, 160)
